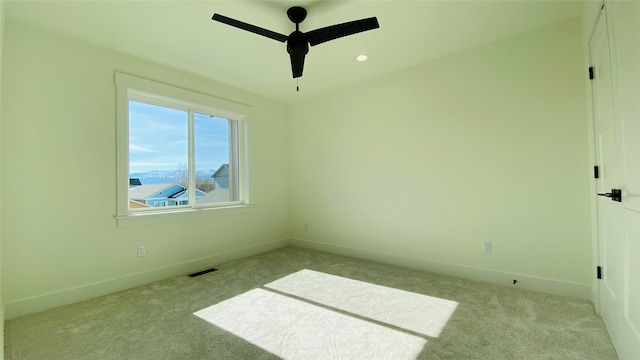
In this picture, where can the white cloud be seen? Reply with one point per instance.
(140, 149)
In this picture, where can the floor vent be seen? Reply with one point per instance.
(202, 272)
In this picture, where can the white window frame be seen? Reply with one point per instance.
(130, 87)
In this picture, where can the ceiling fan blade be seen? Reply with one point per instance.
(297, 64)
(248, 27)
(332, 32)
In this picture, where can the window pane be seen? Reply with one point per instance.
(214, 180)
(158, 156)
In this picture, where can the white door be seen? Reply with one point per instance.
(615, 55)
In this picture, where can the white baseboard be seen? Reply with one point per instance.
(550, 286)
(34, 304)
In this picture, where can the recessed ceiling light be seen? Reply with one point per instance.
(362, 57)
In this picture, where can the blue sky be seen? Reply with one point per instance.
(158, 139)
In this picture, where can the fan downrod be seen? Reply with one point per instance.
(297, 14)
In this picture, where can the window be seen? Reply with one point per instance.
(160, 203)
(178, 151)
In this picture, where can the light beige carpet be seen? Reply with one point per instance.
(156, 321)
(296, 330)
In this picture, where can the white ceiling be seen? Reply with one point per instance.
(182, 35)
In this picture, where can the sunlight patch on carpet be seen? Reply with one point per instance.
(423, 314)
(293, 329)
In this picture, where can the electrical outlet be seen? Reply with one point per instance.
(142, 251)
(486, 247)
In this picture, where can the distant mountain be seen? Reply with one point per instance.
(168, 176)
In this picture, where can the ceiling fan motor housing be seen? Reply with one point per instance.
(297, 47)
(297, 44)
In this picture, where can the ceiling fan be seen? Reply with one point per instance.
(298, 42)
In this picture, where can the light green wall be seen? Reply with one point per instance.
(58, 166)
(489, 144)
(1, 284)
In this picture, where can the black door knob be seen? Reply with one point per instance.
(615, 195)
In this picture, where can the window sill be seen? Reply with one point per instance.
(150, 218)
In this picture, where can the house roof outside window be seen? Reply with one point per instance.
(145, 191)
